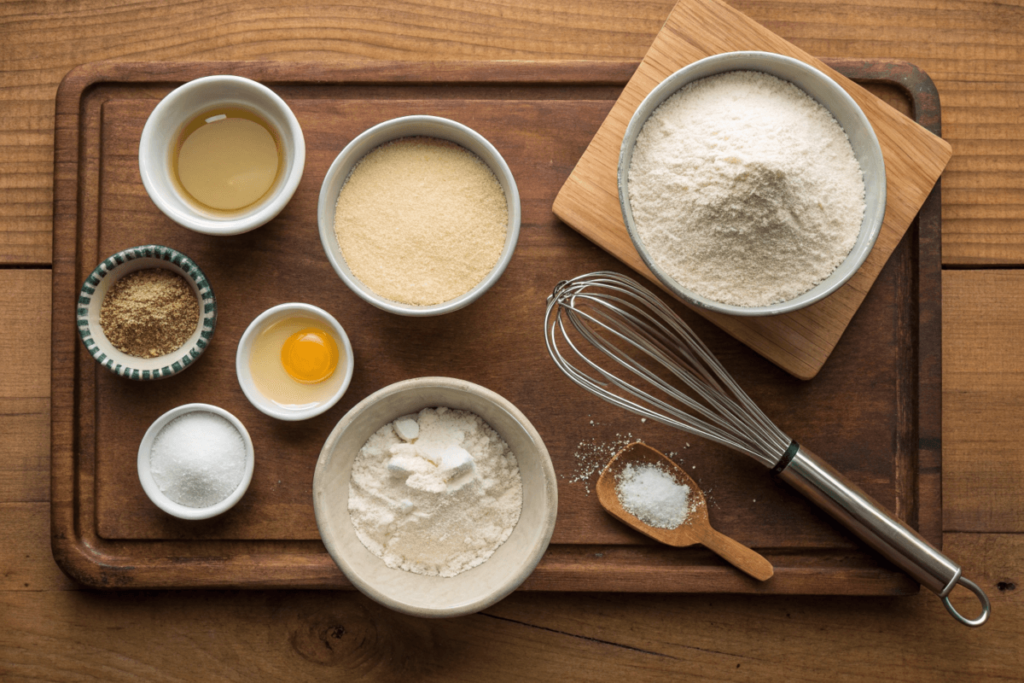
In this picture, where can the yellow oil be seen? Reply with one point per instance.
(226, 160)
(272, 378)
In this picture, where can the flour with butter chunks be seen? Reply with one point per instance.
(435, 493)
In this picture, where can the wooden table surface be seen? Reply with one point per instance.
(51, 629)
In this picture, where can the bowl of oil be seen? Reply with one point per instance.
(294, 361)
(221, 155)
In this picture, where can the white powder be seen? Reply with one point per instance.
(651, 494)
(745, 190)
(438, 498)
(198, 459)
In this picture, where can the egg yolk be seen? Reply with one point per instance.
(309, 356)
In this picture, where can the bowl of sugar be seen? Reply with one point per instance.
(436, 497)
(196, 461)
(419, 215)
(751, 184)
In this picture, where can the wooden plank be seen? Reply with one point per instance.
(26, 563)
(798, 342)
(25, 559)
(311, 636)
(983, 400)
(24, 387)
(25, 371)
(25, 426)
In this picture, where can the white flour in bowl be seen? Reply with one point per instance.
(435, 493)
(745, 190)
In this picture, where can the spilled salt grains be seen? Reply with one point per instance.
(651, 494)
(198, 459)
(421, 221)
(592, 456)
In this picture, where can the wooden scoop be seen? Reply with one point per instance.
(696, 528)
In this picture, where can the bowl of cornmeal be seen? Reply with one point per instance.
(419, 215)
(751, 184)
(435, 496)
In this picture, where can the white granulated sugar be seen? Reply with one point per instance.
(438, 498)
(745, 190)
(651, 494)
(198, 459)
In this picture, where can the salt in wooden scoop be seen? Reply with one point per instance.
(696, 528)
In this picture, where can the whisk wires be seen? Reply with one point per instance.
(659, 368)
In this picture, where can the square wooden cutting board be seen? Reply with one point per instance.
(798, 342)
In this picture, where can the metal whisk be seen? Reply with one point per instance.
(619, 341)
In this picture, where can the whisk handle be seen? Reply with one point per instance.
(856, 510)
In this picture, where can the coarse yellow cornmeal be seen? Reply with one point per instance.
(421, 221)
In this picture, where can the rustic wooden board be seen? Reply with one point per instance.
(798, 342)
(874, 411)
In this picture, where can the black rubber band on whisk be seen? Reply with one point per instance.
(788, 456)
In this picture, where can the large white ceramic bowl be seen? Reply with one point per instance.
(404, 127)
(159, 140)
(826, 92)
(435, 596)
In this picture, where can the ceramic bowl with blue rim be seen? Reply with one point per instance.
(112, 269)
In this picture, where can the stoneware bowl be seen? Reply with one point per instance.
(268, 318)
(434, 596)
(159, 142)
(412, 126)
(826, 92)
(112, 269)
(154, 492)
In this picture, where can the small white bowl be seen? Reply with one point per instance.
(177, 509)
(435, 596)
(405, 127)
(264, 320)
(112, 269)
(159, 138)
(823, 90)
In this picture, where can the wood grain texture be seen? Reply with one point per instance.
(971, 50)
(798, 342)
(983, 395)
(541, 117)
(50, 633)
(26, 563)
(300, 636)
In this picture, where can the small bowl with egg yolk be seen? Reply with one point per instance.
(294, 362)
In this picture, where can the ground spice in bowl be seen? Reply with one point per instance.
(149, 313)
